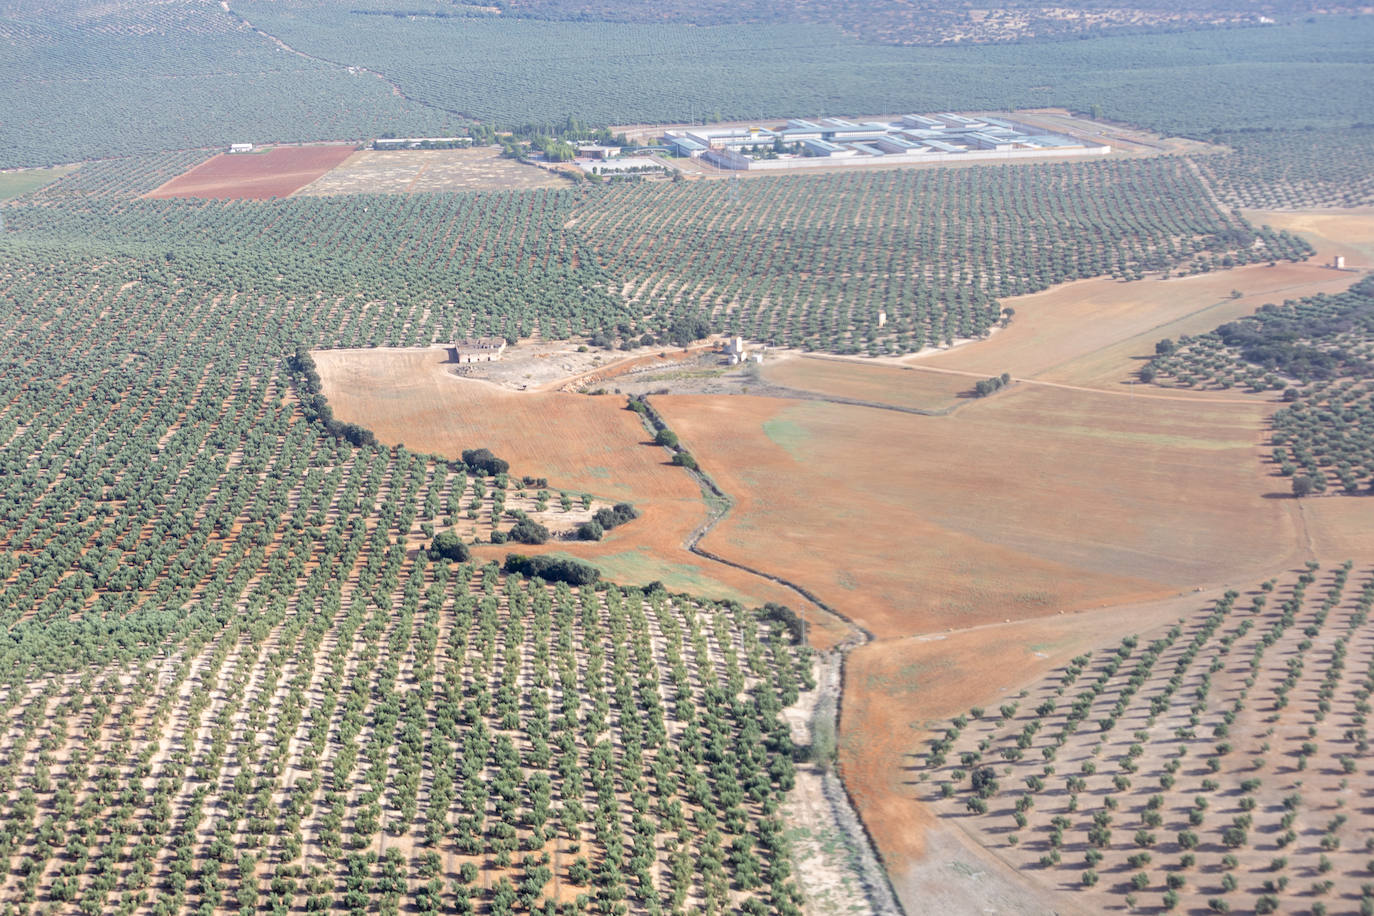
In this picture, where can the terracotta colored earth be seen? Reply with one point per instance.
(980, 548)
(275, 172)
(1029, 502)
(581, 444)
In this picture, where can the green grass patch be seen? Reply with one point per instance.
(641, 566)
(793, 437)
(21, 182)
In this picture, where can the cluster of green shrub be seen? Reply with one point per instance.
(552, 569)
(482, 461)
(605, 519)
(992, 384)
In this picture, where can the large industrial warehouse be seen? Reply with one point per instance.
(837, 141)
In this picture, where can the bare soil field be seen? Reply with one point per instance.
(1096, 333)
(1348, 232)
(1032, 501)
(878, 383)
(275, 172)
(581, 444)
(982, 548)
(1032, 523)
(423, 171)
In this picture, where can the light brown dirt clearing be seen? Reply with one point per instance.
(423, 171)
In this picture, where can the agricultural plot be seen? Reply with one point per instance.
(462, 264)
(410, 396)
(121, 178)
(812, 260)
(234, 677)
(921, 23)
(275, 172)
(1324, 344)
(23, 181)
(1347, 232)
(422, 737)
(1217, 764)
(1275, 170)
(818, 257)
(1099, 332)
(903, 520)
(429, 171)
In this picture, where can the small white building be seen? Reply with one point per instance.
(240, 147)
(1338, 262)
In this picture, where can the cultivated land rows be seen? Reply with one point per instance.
(1221, 763)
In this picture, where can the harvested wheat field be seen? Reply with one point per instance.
(258, 175)
(1029, 502)
(1346, 231)
(1096, 333)
(879, 383)
(427, 171)
(581, 444)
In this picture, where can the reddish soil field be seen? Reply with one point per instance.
(1036, 500)
(277, 172)
(580, 443)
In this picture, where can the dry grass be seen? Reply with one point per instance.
(1098, 332)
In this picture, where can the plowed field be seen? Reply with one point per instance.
(276, 172)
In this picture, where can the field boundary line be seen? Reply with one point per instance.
(882, 895)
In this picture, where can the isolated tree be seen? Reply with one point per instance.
(448, 546)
